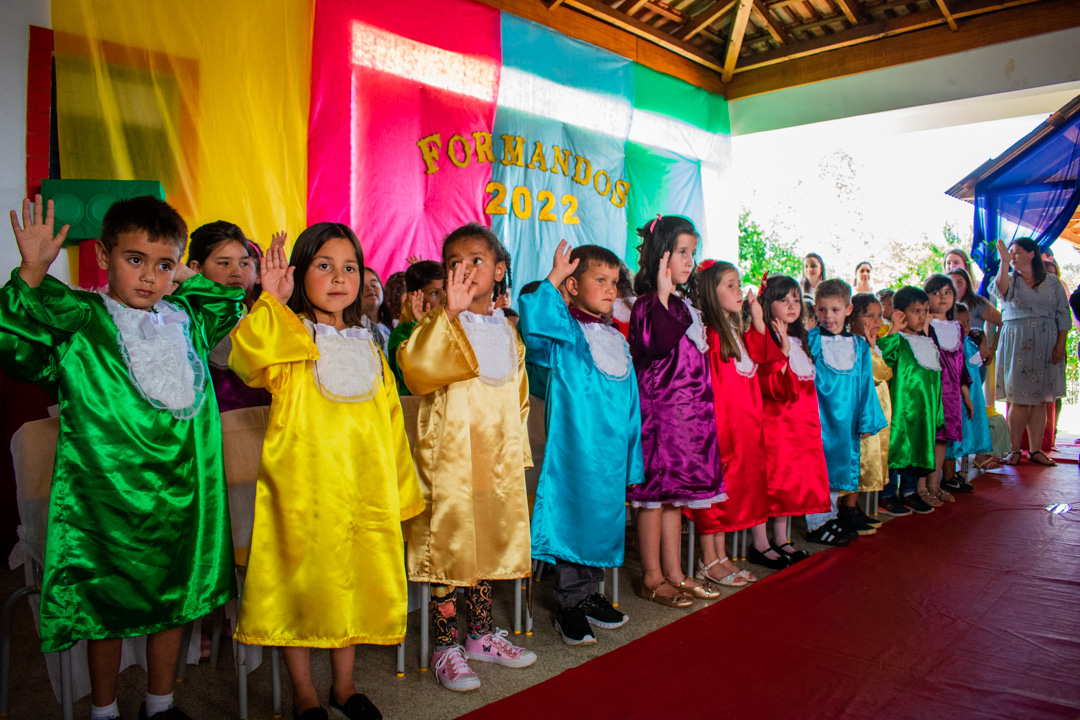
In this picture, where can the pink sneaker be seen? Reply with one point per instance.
(452, 669)
(494, 647)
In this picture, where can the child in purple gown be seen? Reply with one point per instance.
(678, 422)
(955, 398)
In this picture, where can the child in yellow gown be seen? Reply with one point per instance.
(471, 452)
(336, 479)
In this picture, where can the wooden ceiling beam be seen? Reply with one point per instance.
(665, 11)
(851, 12)
(621, 20)
(856, 55)
(738, 29)
(552, 4)
(775, 29)
(636, 6)
(943, 5)
(707, 17)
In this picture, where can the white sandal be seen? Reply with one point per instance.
(729, 580)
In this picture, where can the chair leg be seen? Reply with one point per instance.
(517, 606)
(181, 660)
(690, 550)
(615, 587)
(425, 622)
(65, 685)
(528, 609)
(275, 674)
(215, 642)
(401, 659)
(5, 643)
(241, 679)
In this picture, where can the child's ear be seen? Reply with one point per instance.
(571, 285)
(196, 266)
(850, 307)
(102, 255)
(500, 271)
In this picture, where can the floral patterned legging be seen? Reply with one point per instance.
(444, 612)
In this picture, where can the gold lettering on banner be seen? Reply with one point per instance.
(537, 161)
(561, 161)
(618, 198)
(513, 150)
(582, 178)
(483, 147)
(595, 181)
(429, 148)
(466, 150)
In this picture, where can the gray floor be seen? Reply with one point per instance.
(211, 694)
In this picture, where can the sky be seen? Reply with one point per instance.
(851, 193)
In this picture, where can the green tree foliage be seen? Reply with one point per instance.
(759, 254)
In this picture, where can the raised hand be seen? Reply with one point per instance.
(664, 285)
(899, 322)
(37, 244)
(757, 316)
(278, 239)
(1003, 250)
(416, 302)
(780, 328)
(413, 259)
(277, 275)
(871, 337)
(561, 266)
(459, 291)
(182, 273)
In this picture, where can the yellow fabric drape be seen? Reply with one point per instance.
(874, 455)
(208, 97)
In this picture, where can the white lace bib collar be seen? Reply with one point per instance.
(349, 368)
(925, 351)
(493, 343)
(799, 361)
(621, 309)
(609, 350)
(696, 332)
(949, 335)
(162, 362)
(745, 365)
(838, 352)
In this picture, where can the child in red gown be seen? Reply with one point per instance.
(797, 480)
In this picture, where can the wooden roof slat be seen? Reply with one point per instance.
(773, 27)
(850, 10)
(738, 29)
(636, 6)
(708, 16)
(943, 5)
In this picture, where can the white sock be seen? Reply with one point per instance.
(157, 703)
(104, 713)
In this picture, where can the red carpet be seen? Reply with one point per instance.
(971, 612)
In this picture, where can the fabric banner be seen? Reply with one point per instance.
(203, 96)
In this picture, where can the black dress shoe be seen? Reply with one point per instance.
(795, 555)
(357, 707)
(759, 558)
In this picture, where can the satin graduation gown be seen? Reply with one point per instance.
(797, 478)
(593, 424)
(977, 439)
(139, 538)
(954, 375)
(678, 423)
(915, 390)
(471, 452)
(336, 479)
(874, 456)
(847, 403)
(740, 428)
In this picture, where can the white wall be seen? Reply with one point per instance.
(1022, 77)
(18, 16)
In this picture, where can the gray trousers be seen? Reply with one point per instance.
(574, 583)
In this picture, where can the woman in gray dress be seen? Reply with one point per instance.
(1035, 311)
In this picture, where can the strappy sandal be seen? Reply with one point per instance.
(704, 591)
(679, 600)
(944, 495)
(1012, 458)
(991, 463)
(930, 499)
(1045, 462)
(729, 580)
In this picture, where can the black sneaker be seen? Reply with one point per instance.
(574, 626)
(829, 534)
(173, 713)
(850, 519)
(957, 484)
(872, 521)
(917, 504)
(357, 707)
(893, 507)
(601, 613)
